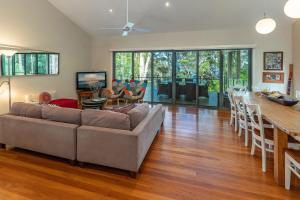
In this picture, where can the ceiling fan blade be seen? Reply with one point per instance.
(142, 30)
(125, 33)
(111, 28)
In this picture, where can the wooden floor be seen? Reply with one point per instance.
(196, 156)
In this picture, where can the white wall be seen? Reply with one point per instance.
(279, 40)
(296, 54)
(36, 24)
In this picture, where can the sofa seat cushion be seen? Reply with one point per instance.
(138, 114)
(64, 115)
(105, 119)
(26, 110)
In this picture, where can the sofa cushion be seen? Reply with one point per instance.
(138, 114)
(26, 110)
(105, 119)
(64, 115)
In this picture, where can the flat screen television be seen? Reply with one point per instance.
(84, 80)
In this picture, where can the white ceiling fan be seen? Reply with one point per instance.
(129, 26)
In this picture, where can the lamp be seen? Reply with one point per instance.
(9, 91)
(292, 8)
(8, 53)
(265, 25)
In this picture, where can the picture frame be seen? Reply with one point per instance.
(273, 77)
(273, 61)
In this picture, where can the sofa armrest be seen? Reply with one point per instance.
(108, 147)
(147, 131)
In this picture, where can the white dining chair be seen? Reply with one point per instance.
(259, 138)
(258, 134)
(292, 164)
(244, 123)
(233, 110)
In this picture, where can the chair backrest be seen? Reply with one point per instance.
(240, 105)
(230, 97)
(255, 117)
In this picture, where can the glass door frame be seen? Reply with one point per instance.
(174, 60)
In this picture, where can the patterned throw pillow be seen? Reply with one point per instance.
(124, 109)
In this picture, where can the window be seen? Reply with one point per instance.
(123, 66)
(53, 63)
(196, 77)
(7, 68)
(43, 63)
(30, 64)
(236, 68)
(19, 64)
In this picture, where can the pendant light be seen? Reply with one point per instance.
(292, 8)
(266, 25)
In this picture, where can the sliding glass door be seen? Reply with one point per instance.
(142, 71)
(189, 77)
(186, 77)
(162, 77)
(209, 78)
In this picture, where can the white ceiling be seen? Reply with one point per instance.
(182, 15)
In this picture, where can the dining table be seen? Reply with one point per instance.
(286, 122)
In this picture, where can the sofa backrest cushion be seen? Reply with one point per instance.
(138, 114)
(64, 115)
(26, 110)
(105, 119)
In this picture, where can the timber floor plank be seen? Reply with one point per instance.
(196, 156)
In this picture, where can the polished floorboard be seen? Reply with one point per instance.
(196, 156)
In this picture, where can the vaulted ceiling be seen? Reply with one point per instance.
(182, 15)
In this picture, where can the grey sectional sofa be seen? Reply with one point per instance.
(122, 149)
(88, 136)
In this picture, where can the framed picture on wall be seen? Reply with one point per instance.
(273, 61)
(273, 77)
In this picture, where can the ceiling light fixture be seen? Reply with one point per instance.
(265, 25)
(292, 8)
(167, 4)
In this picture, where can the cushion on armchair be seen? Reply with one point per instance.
(65, 103)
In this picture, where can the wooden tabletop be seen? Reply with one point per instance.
(283, 117)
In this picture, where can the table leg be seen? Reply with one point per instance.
(280, 144)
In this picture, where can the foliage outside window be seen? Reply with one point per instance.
(142, 65)
(30, 64)
(211, 70)
(123, 63)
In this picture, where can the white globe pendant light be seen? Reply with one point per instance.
(292, 8)
(265, 25)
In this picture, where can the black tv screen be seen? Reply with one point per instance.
(86, 79)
